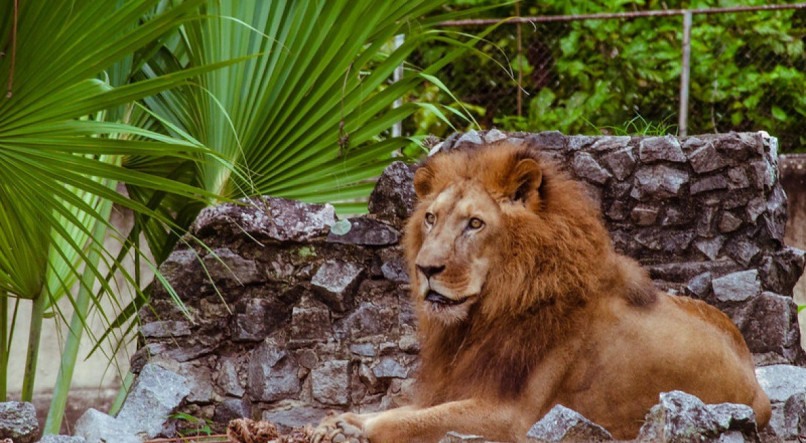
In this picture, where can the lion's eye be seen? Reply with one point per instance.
(430, 218)
(475, 223)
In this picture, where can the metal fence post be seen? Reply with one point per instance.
(397, 128)
(685, 74)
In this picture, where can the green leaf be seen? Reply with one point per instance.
(779, 113)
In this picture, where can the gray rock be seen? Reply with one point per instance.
(669, 242)
(762, 174)
(177, 352)
(681, 417)
(618, 210)
(566, 425)
(677, 217)
(781, 382)
(363, 349)
(738, 146)
(471, 137)
(272, 373)
(644, 215)
(366, 232)
(335, 280)
(621, 162)
(710, 247)
(294, 417)
(310, 322)
(180, 266)
(200, 382)
(684, 271)
(775, 218)
(494, 135)
(230, 409)
(706, 159)
(18, 422)
(371, 319)
(737, 286)
(228, 378)
(62, 439)
(307, 358)
(393, 197)
(742, 250)
(395, 270)
(586, 167)
(156, 392)
(654, 149)
(729, 222)
(266, 217)
(609, 143)
(576, 142)
(658, 181)
(738, 178)
(547, 140)
(165, 329)
(330, 382)
(705, 223)
(224, 265)
(794, 417)
(700, 286)
(768, 324)
(254, 322)
(781, 272)
(388, 367)
(712, 183)
(755, 207)
(96, 427)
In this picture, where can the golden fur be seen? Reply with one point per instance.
(523, 304)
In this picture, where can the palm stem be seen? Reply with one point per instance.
(64, 379)
(34, 335)
(3, 345)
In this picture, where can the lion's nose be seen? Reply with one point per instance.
(430, 271)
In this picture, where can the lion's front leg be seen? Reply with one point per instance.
(494, 421)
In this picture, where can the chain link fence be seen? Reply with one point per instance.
(621, 73)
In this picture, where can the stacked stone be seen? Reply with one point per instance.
(292, 312)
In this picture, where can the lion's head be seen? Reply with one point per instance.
(491, 229)
(503, 250)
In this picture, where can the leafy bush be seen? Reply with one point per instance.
(747, 69)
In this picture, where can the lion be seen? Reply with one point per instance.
(523, 304)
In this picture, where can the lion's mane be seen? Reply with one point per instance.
(554, 253)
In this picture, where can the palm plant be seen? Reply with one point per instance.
(63, 137)
(111, 92)
(310, 118)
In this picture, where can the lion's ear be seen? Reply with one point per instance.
(526, 178)
(423, 179)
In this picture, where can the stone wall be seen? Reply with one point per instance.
(298, 312)
(793, 179)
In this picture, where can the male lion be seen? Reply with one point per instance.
(523, 304)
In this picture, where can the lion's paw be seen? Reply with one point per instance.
(344, 428)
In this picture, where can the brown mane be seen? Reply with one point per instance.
(555, 252)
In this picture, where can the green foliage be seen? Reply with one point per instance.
(191, 426)
(638, 125)
(185, 103)
(747, 69)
